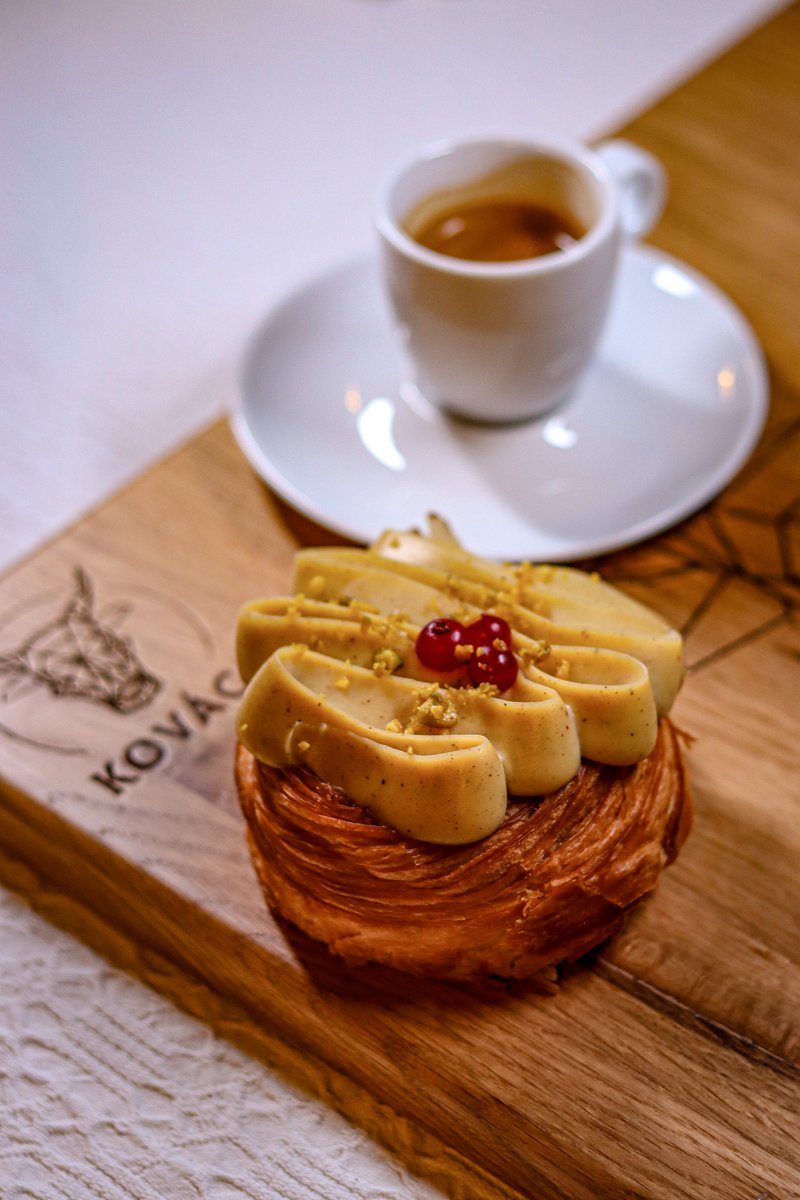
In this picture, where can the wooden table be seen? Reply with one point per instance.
(667, 1064)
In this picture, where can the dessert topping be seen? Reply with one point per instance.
(449, 681)
(483, 647)
(493, 664)
(436, 644)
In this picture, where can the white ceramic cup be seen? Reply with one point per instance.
(508, 341)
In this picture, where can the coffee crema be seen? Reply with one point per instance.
(498, 230)
(526, 208)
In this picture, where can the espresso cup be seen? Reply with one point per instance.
(503, 339)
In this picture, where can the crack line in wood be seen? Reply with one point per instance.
(669, 1004)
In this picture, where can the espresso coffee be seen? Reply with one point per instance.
(499, 231)
(527, 208)
(500, 339)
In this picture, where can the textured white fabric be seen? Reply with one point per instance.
(108, 1091)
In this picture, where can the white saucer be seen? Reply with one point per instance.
(665, 417)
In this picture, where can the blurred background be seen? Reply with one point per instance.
(171, 168)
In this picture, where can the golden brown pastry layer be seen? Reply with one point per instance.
(554, 880)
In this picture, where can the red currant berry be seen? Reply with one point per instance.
(486, 630)
(436, 644)
(490, 665)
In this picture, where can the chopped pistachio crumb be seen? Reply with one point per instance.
(535, 653)
(486, 689)
(342, 683)
(295, 604)
(435, 708)
(385, 661)
(394, 726)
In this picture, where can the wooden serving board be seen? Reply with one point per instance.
(665, 1066)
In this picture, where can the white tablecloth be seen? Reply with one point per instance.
(169, 169)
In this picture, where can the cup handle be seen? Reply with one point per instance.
(642, 183)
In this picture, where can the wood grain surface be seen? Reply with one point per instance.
(667, 1064)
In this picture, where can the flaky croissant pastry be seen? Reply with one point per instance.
(556, 877)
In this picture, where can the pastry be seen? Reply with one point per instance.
(455, 768)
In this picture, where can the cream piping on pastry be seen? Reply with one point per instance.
(334, 682)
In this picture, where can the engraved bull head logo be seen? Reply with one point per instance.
(79, 655)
